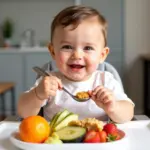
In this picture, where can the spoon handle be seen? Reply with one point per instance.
(66, 91)
(40, 71)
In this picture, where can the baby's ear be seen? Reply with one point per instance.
(104, 54)
(51, 50)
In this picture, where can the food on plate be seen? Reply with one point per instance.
(58, 117)
(34, 129)
(103, 136)
(82, 95)
(88, 123)
(61, 117)
(65, 121)
(92, 137)
(53, 139)
(112, 132)
(66, 128)
(71, 134)
(110, 128)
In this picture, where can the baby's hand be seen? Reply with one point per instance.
(104, 98)
(48, 87)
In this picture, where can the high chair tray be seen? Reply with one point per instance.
(137, 138)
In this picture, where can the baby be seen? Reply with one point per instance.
(78, 45)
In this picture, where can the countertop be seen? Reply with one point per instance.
(24, 50)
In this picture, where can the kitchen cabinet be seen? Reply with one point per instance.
(11, 70)
(16, 66)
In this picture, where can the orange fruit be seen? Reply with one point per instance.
(34, 129)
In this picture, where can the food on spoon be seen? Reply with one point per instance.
(34, 129)
(53, 139)
(65, 121)
(71, 134)
(82, 95)
(88, 123)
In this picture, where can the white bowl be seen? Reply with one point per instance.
(122, 144)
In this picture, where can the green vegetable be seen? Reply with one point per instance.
(71, 134)
(62, 115)
(65, 121)
(54, 119)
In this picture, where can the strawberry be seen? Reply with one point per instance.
(110, 129)
(113, 137)
(92, 137)
(103, 136)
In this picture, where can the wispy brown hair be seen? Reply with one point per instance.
(74, 15)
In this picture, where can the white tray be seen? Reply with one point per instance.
(138, 138)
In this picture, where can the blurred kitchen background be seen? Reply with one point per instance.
(25, 33)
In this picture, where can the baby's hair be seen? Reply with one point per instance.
(74, 15)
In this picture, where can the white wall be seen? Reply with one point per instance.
(137, 42)
(26, 14)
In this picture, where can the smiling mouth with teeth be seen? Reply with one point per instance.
(74, 66)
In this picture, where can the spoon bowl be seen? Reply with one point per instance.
(43, 73)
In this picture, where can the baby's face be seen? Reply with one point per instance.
(78, 52)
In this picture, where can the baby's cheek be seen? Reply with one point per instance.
(92, 67)
(61, 60)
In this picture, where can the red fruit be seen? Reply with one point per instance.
(92, 137)
(117, 136)
(110, 128)
(113, 137)
(103, 136)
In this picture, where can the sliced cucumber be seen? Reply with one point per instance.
(71, 134)
(62, 115)
(65, 121)
(54, 119)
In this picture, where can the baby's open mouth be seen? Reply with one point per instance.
(76, 66)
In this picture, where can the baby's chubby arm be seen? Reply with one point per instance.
(30, 102)
(119, 111)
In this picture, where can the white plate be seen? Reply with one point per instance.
(121, 144)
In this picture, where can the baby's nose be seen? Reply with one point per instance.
(77, 54)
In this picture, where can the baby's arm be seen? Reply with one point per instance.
(30, 102)
(113, 100)
(123, 112)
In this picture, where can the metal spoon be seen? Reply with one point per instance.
(43, 73)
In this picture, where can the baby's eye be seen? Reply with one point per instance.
(67, 47)
(88, 48)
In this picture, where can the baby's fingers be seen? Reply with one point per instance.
(98, 89)
(107, 98)
(58, 81)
